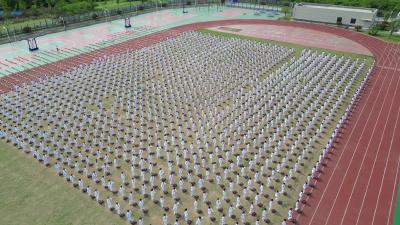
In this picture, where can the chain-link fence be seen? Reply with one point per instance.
(65, 21)
(18, 32)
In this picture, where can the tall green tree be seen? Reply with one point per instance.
(22, 4)
(286, 10)
(394, 25)
(373, 30)
(386, 16)
(50, 5)
(6, 8)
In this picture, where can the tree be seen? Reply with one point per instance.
(394, 25)
(286, 10)
(35, 8)
(92, 4)
(373, 29)
(386, 16)
(23, 4)
(51, 5)
(6, 8)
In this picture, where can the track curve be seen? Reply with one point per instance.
(361, 178)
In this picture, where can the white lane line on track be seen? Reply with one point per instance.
(396, 178)
(315, 182)
(365, 128)
(376, 155)
(351, 133)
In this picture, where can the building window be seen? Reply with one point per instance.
(339, 20)
(353, 21)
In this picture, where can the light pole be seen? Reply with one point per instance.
(63, 22)
(107, 14)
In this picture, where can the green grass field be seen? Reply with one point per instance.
(31, 194)
(298, 49)
(389, 38)
(48, 199)
(397, 212)
(385, 36)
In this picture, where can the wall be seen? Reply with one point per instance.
(326, 15)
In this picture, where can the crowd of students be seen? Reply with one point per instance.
(197, 129)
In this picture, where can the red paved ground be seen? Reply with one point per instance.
(359, 183)
(296, 35)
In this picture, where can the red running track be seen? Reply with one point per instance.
(359, 183)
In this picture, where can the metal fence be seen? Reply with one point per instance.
(65, 21)
(104, 15)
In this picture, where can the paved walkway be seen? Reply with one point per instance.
(15, 57)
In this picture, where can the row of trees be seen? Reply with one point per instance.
(50, 7)
(40, 7)
(389, 24)
(72, 7)
(36, 4)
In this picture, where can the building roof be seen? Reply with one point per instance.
(338, 7)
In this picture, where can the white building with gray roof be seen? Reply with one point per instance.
(333, 14)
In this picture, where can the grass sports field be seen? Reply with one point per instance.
(33, 194)
(65, 205)
(397, 212)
